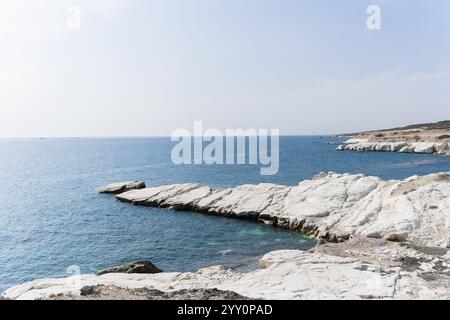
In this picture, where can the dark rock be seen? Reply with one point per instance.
(135, 267)
(111, 292)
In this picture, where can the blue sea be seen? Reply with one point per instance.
(52, 218)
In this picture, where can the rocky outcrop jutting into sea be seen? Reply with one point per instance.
(116, 188)
(386, 240)
(421, 138)
(331, 206)
(380, 272)
(441, 148)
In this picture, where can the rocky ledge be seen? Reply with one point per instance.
(380, 239)
(395, 145)
(422, 138)
(331, 206)
(367, 271)
(116, 188)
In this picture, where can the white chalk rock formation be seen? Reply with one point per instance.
(330, 206)
(286, 274)
(120, 187)
(360, 145)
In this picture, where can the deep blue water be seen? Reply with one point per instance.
(51, 217)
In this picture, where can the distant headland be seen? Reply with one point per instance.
(427, 138)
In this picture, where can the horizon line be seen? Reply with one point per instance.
(156, 136)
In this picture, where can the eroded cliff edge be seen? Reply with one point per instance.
(431, 138)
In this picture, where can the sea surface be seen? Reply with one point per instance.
(51, 217)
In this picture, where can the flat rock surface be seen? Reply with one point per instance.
(120, 187)
(396, 145)
(286, 274)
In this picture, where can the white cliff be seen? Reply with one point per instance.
(420, 138)
(286, 274)
(360, 145)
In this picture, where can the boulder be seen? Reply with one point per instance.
(135, 267)
(424, 147)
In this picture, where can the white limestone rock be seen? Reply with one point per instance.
(120, 187)
(285, 274)
(395, 146)
(355, 141)
(331, 206)
(424, 147)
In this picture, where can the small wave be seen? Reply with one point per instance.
(225, 252)
(25, 239)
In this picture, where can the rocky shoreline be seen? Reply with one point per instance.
(432, 138)
(395, 145)
(330, 206)
(359, 269)
(378, 240)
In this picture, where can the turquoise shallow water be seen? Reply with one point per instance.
(51, 217)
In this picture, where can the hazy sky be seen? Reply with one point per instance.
(138, 68)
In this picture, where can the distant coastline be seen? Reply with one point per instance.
(429, 138)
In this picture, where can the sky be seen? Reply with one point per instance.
(147, 68)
